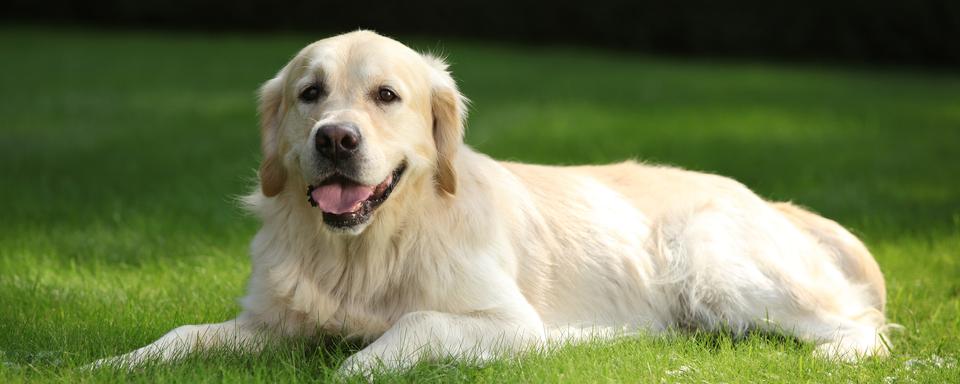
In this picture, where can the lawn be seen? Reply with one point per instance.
(122, 154)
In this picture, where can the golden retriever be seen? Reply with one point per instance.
(380, 224)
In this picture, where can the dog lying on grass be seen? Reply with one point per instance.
(380, 225)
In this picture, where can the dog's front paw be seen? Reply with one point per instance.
(360, 364)
(115, 362)
(128, 361)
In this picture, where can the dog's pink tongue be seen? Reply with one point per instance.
(337, 198)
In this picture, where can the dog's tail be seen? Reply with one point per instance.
(854, 260)
(848, 252)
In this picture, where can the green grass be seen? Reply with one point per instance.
(121, 155)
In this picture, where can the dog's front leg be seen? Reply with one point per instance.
(427, 335)
(178, 343)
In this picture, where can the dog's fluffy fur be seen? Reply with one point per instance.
(472, 258)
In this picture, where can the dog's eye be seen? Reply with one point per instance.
(387, 95)
(311, 94)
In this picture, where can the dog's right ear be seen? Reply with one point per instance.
(273, 175)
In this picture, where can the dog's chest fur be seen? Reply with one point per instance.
(355, 290)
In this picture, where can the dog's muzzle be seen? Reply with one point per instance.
(346, 203)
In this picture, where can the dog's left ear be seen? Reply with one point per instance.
(449, 110)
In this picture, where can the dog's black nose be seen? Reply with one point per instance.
(338, 141)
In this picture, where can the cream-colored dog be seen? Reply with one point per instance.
(380, 224)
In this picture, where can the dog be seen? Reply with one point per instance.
(381, 225)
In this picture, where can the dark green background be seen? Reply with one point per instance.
(880, 31)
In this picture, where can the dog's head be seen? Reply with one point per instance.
(354, 117)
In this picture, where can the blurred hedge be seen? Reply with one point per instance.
(890, 31)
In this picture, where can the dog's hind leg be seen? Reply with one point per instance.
(854, 334)
(739, 268)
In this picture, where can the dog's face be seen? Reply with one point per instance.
(353, 118)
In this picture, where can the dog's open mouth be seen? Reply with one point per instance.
(346, 203)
